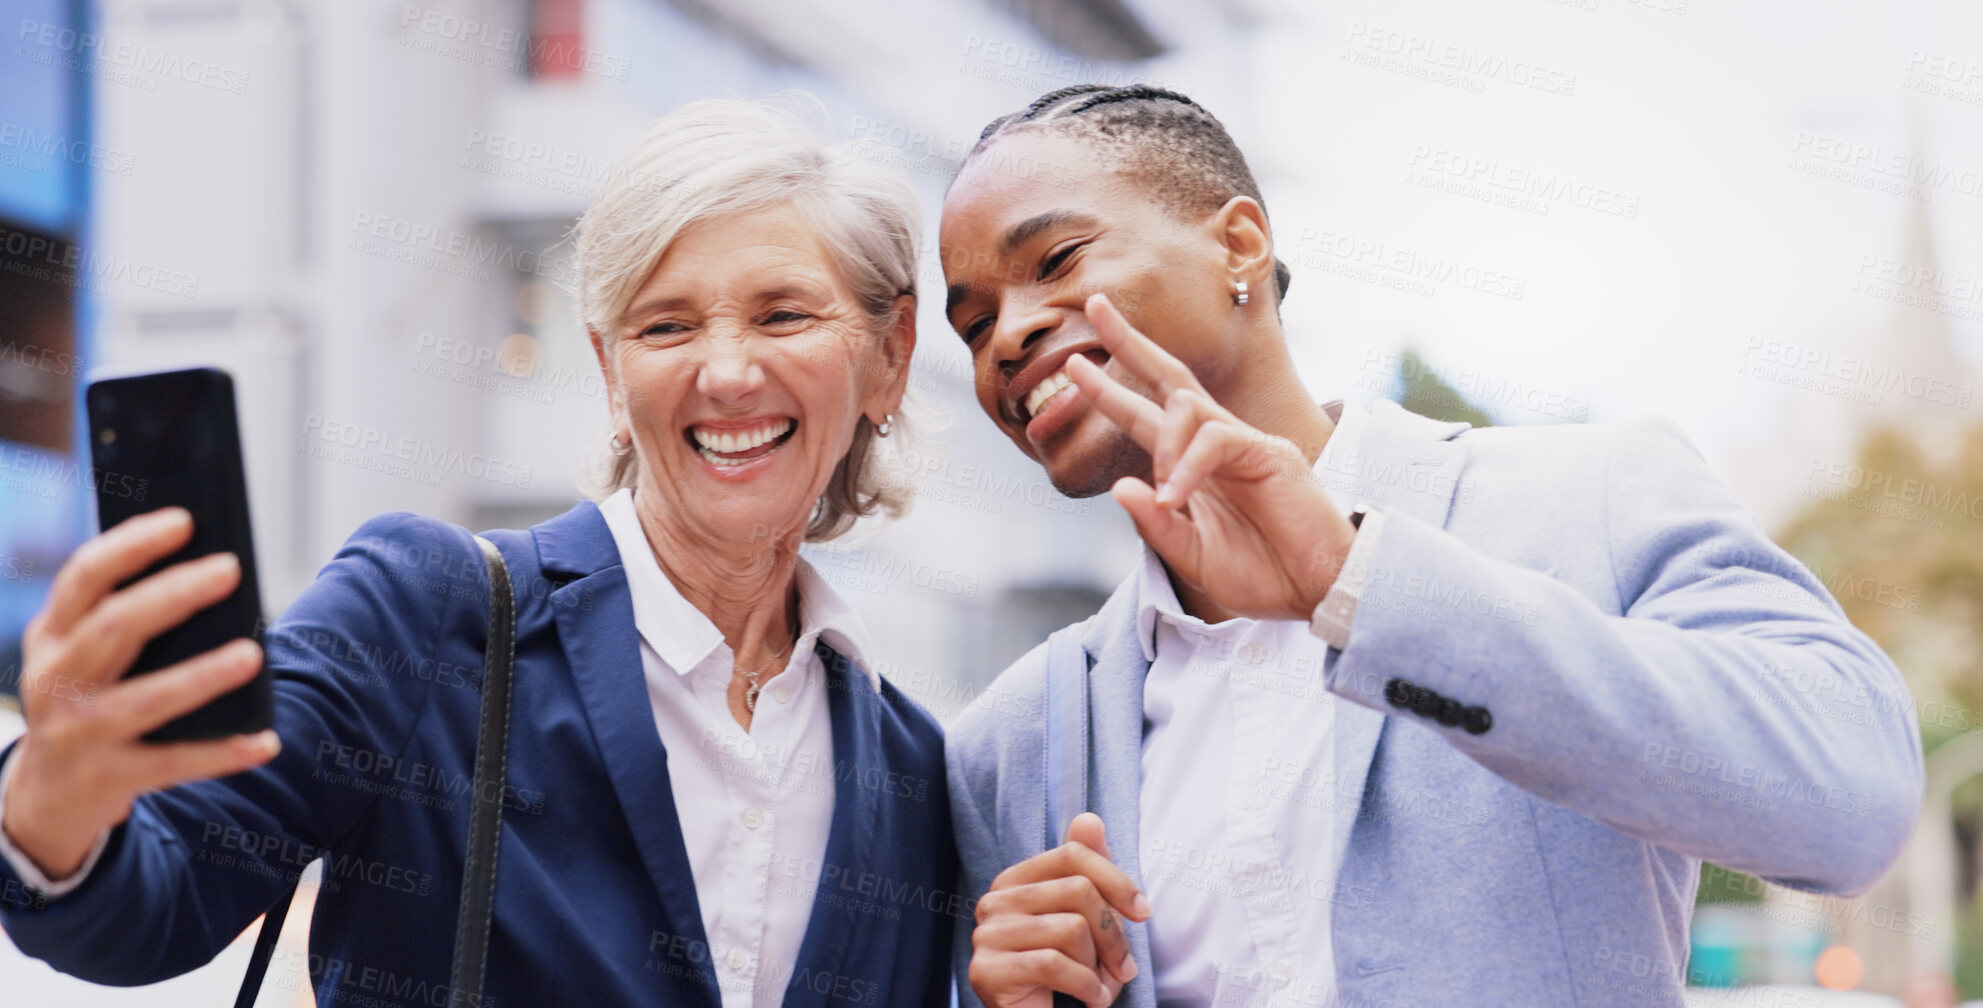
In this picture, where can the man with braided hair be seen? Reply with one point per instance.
(1393, 711)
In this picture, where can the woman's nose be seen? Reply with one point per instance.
(729, 369)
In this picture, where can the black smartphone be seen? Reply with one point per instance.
(172, 438)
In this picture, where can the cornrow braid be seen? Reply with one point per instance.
(1181, 149)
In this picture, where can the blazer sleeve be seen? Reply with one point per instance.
(1731, 713)
(193, 866)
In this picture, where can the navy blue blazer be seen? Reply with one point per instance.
(379, 665)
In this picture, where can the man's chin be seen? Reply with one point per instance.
(1094, 472)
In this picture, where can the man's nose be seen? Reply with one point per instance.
(1015, 334)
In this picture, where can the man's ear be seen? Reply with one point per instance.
(898, 346)
(1241, 227)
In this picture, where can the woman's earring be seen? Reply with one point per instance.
(619, 447)
(1240, 296)
(885, 426)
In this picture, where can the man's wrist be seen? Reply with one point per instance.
(1335, 615)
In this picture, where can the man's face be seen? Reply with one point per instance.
(1031, 228)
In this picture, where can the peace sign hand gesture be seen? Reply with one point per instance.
(1236, 512)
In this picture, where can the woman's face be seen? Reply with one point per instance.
(740, 371)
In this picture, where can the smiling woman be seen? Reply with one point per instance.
(696, 723)
(839, 237)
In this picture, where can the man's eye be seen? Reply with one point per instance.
(976, 328)
(1054, 260)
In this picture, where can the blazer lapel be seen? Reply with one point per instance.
(596, 627)
(1407, 463)
(1115, 766)
(852, 857)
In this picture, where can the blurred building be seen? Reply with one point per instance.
(359, 208)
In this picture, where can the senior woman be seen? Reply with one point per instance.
(711, 799)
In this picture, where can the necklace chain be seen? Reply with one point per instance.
(756, 687)
(755, 678)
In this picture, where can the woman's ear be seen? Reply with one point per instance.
(1241, 226)
(610, 375)
(898, 346)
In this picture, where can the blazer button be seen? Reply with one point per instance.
(1398, 693)
(1478, 720)
(1426, 703)
(1450, 711)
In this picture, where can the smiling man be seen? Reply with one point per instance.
(1393, 711)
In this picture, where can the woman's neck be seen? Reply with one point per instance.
(747, 589)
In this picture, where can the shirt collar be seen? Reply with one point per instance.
(1155, 596)
(684, 637)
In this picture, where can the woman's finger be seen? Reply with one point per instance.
(1145, 359)
(157, 767)
(147, 701)
(109, 637)
(109, 559)
(1140, 418)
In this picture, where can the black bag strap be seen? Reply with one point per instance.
(485, 816)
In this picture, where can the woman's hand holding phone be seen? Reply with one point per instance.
(83, 762)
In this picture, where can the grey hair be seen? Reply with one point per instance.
(723, 156)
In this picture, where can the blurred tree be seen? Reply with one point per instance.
(1897, 538)
(1425, 393)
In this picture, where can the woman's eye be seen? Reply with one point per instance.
(1057, 258)
(785, 316)
(664, 329)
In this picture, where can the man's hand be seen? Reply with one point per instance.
(1053, 923)
(1236, 512)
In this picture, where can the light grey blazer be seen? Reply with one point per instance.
(1658, 685)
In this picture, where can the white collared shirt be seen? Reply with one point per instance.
(1239, 803)
(755, 806)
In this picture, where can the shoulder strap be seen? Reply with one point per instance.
(478, 883)
(258, 961)
(485, 817)
(1067, 731)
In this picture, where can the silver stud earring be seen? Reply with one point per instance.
(1240, 296)
(886, 425)
(619, 447)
